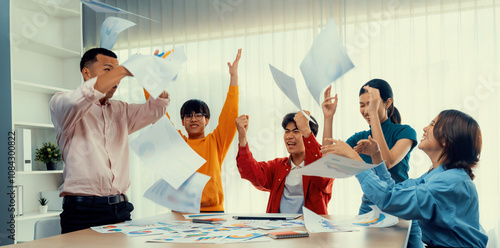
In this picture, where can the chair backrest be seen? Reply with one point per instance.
(47, 227)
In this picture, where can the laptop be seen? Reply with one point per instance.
(267, 216)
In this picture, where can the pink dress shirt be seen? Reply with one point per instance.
(93, 138)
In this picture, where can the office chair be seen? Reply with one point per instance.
(47, 227)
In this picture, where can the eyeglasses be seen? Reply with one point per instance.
(198, 116)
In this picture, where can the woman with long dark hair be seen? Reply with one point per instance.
(396, 141)
(443, 200)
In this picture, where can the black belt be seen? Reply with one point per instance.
(109, 200)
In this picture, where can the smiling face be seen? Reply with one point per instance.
(428, 143)
(103, 65)
(364, 102)
(195, 125)
(293, 139)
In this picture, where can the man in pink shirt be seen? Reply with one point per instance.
(92, 133)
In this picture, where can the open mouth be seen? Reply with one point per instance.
(291, 144)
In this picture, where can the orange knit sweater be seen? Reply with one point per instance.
(213, 148)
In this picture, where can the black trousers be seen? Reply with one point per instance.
(79, 216)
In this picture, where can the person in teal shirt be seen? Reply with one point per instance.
(443, 200)
(396, 140)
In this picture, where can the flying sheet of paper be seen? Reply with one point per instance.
(317, 224)
(375, 218)
(185, 199)
(110, 29)
(288, 86)
(326, 61)
(106, 8)
(163, 149)
(153, 72)
(335, 166)
(176, 56)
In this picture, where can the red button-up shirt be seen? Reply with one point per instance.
(270, 176)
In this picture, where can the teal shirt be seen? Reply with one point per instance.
(392, 133)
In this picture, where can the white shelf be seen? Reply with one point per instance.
(39, 172)
(50, 50)
(54, 9)
(32, 125)
(38, 88)
(38, 215)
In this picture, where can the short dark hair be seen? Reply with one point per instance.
(90, 56)
(289, 118)
(385, 93)
(462, 138)
(195, 105)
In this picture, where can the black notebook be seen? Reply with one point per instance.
(288, 234)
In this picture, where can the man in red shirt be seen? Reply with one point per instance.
(289, 190)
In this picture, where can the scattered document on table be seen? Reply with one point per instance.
(375, 218)
(317, 224)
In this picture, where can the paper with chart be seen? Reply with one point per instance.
(335, 166)
(110, 29)
(317, 224)
(176, 56)
(187, 198)
(162, 148)
(288, 86)
(154, 73)
(326, 61)
(106, 8)
(375, 218)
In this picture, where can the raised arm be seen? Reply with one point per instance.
(110, 79)
(312, 150)
(225, 130)
(329, 109)
(68, 108)
(260, 174)
(242, 127)
(391, 156)
(233, 69)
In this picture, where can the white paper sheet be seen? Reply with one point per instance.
(163, 149)
(326, 61)
(375, 218)
(185, 199)
(176, 56)
(110, 29)
(153, 72)
(286, 84)
(317, 224)
(106, 8)
(335, 166)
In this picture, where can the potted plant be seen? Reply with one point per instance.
(49, 154)
(43, 205)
